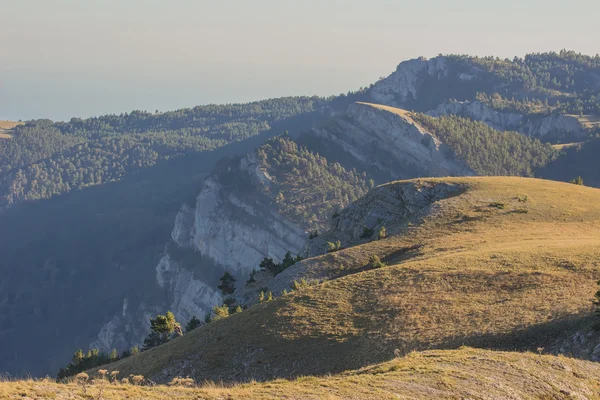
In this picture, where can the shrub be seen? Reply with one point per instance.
(367, 233)
(334, 246)
(187, 382)
(297, 285)
(220, 312)
(577, 181)
(375, 262)
(382, 233)
(267, 264)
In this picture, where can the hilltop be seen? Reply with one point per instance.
(498, 262)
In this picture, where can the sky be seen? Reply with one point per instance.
(78, 58)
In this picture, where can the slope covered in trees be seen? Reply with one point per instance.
(45, 159)
(486, 150)
(306, 187)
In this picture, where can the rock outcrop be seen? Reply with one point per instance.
(403, 84)
(388, 140)
(544, 127)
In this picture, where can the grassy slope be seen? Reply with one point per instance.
(490, 271)
(6, 128)
(449, 374)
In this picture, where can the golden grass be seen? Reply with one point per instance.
(448, 374)
(397, 111)
(6, 127)
(588, 121)
(510, 263)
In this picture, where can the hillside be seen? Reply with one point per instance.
(500, 263)
(6, 128)
(468, 373)
(264, 204)
(92, 210)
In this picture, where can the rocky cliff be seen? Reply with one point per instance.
(427, 85)
(388, 140)
(548, 127)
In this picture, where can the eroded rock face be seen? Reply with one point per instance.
(403, 84)
(390, 142)
(544, 127)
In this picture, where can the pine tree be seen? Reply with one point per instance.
(261, 296)
(227, 285)
(114, 356)
(192, 324)
(382, 233)
(269, 295)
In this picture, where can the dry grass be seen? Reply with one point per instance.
(6, 128)
(509, 264)
(589, 121)
(398, 111)
(448, 374)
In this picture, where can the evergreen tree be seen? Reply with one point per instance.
(227, 285)
(192, 324)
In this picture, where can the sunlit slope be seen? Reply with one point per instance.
(442, 374)
(502, 263)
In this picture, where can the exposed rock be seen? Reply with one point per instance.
(389, 140)
(547, 127)
(189, 296)
(403, 84)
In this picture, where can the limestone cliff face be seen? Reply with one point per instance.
(404, 83)
(232, 227)
(388, 140)
(547, 127)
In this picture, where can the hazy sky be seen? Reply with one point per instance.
(64, 58)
